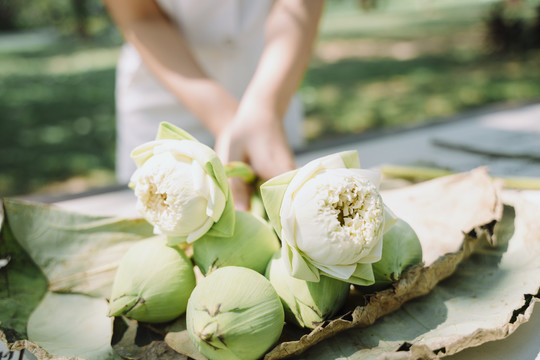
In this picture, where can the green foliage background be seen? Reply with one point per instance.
(391, 64)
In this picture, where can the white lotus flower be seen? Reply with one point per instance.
(182, 189)
(330, 217)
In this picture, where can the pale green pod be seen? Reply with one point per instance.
(234, 314)
(306, 304)
(153, 282)
(252, 245)
(401, 249)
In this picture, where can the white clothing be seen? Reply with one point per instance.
(227, 38)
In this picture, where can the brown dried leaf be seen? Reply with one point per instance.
(178, 339)
(489, 296)
(442, 210)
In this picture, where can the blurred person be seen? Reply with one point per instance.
(226, 71)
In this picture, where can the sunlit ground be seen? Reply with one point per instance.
(402, 64)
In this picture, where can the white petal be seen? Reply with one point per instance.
(373, 176)
(217, 200)
(179, 149)
(374, 254)
(305, 173)
(312, 230)
(200, 231)
(198, 175)
(333, 161)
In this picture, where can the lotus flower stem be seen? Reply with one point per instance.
(413, 173)
(522, 183)
(240, 169)
(420, 173)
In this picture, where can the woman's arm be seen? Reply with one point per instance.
(257, 134)
(291, 30)
(252, 131)
(166, 52)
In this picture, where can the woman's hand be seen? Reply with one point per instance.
(260, 141)
(256, 135)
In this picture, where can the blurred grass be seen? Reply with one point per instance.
(57, 109)
(407, 62)
(357, 95)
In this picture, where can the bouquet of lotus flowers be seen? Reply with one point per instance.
(326, 229)
(324, 250)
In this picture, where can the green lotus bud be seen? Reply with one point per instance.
(234, 313)
(153, 282)
(252, 245)
(306, 304)
(401, 249)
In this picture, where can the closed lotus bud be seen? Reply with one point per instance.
(252, 245)
(401, 249)
(306, 304)
(234, 313)
(153, 282)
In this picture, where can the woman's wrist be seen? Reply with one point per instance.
(212, 105)
(258, 114)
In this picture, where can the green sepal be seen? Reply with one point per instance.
(215, 169)
(169, 131)
(306, 303)
(256, 205)
(363, 275)
(175, 240)
(240, 169)
(299, 267)
(350, 159)
(225, 225)
(123, 305)
(272, 193)
(142, 153)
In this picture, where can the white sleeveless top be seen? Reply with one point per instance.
(227, 38)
